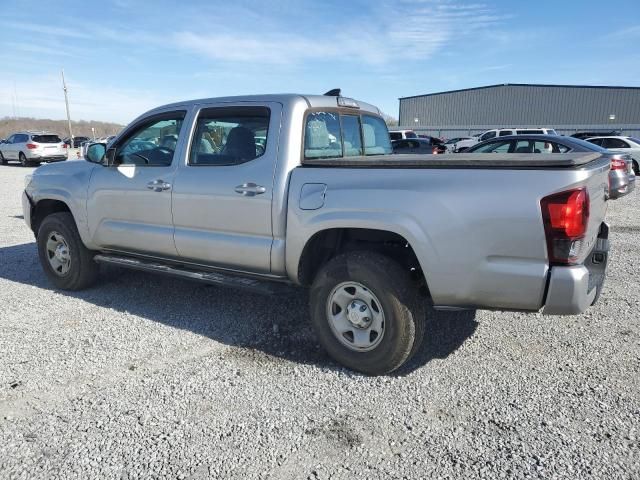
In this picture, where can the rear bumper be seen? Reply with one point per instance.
(620, 184)
(48, 158)
(574, 289)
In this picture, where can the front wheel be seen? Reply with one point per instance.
(367, 312)
(23, 160)
(68, 264)
(636, 168)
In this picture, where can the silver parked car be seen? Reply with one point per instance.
(622, 179)
(30, 148)
(621, 144)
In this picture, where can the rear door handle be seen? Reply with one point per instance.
(250, 189)
(158, 185)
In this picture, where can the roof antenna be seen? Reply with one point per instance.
(333, 93)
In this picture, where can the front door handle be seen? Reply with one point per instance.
(250, 189)
(158, 185)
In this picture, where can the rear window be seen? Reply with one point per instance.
(331, 135)
(46, 138)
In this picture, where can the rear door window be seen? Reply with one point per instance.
(549, 147)
(614, 143)
(229, 136)
(502, 146)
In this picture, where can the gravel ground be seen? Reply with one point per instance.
(148, 377)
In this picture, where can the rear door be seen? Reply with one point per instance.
(223, 193)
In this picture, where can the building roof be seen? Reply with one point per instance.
(521, 85)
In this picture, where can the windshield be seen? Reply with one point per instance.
(635, 140)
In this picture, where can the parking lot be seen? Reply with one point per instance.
(143, 377)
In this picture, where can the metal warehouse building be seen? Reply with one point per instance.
(567, 108)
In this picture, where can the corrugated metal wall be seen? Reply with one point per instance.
(523, 105)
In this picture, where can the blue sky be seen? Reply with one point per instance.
(122, 57)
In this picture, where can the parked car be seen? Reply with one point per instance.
(76, 142)
(621, 144)
(463, 145)
(585, 135)
(402, 134)
(420, 146)
(622, 179)
(374, 236)
(31, 148)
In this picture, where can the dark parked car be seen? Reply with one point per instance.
(415, 145)
(585, 135)
(622, 179)
(77, 141)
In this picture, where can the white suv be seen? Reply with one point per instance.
(402, 134)
(462, 145)
(33, 148)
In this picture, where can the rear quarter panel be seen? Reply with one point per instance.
(478, 234)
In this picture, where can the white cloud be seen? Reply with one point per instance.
(390, 31)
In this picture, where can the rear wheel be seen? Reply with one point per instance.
(367, 312)
(3, 160)
(23, 160)
(68, 264)
(636, 168)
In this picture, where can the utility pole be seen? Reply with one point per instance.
(66, 101)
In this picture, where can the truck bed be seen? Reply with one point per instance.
(461, 160)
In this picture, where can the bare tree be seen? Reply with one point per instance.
(389, 120)
(81, 128)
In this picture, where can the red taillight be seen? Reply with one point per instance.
(434, 150)
(31, 146)
(64, 145)
(618, 164)
(566, 217)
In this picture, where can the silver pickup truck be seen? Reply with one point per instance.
(265, 192)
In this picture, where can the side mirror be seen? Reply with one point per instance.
(96, 153)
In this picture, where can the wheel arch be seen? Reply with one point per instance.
(45, 207)
(327, 243)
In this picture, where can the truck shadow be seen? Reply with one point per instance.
(278, 326)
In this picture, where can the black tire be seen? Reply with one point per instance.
(23, 160)
(636, 168)
(402, 306)
(3, 161)
(82, 269)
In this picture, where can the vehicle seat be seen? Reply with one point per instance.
(370, 145)
(241, 144)
(317, 141)
(524, 150)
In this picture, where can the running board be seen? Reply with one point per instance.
(258, 285)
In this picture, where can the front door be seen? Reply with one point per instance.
(222, 194)
(129, 202)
